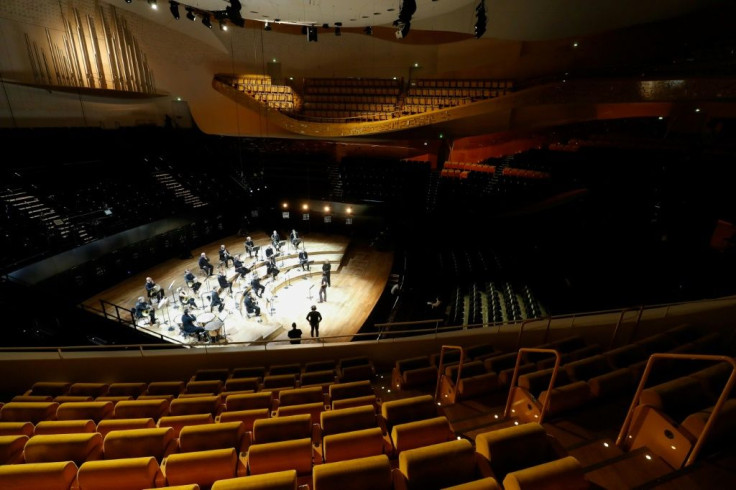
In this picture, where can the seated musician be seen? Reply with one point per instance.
(142, 308)
(216, 301)
(185, 298)
(269, 253)
(249, 245)
(240, 268)
(258, 288)
(294, 236)
(223, 282)
(251, 305)
(154, 290)
(304, 259)
(272, 270)
(204, 264)
(188, 326)
(225, 255)
(276, 240)
(191, 280)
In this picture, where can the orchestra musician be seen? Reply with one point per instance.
(142, 308)
(188, 326)
(251, 305)
(304, 259)
(191, 280)
(249, 246)
(223, 282)
(276, 240)
(326, 267)
(258, 288)
(185, 298)
(269, 253)
(294, 237)
(216, 301)
(154, 290)
(225, 255)
(240, 268)
(271, 269)
(204, 264)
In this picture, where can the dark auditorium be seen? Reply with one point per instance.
(506, 230)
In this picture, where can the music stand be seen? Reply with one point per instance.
(256, 250)
(288, 279)
(175, 304)
(310, 291)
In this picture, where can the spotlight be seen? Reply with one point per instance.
(481, 19)
(312, 34)
(304, 30)
(174, 7)
(206, 21)
(223, 25)
(153, 4)
(368, 30)
(267, 27)
(190, 14)
(338, 32)
(128, 1)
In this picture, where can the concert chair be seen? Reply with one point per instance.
(85, 410)
(248, 417)
(136, 409)
(314, 410)
(49, 388)
(249, 401)
(284, 369)
(279, 382)
(299, 396)
(127, 389)
(419, 433)
(283, 455)
(49, 476)
(106, 426)
(177, 422)
(213, 387)
(165, 388)
(213, 436)
(195, 405)
(322, 379)
(64, 427)
(33, 412)
(313, 366)
(278, 429)
(88, 389)
(202, 467)
(403, 410)
(11, 449)
(136, 443)
(278, 480)
(241, 384)
(63, 447)
(211, 374)
(16, 429)
(139, 472)
(369, 473)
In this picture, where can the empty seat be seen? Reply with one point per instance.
(242, 384)
(173, 388)
(72, 398)
(213, 436)
(564, 473)
(360, 401)
(64, 426)
(32, 398)
(64, 447)
(16, 429)
(347, 419)
(109, 425)
(49, 388)
(248, 417)
(299, 396)
(213, 387)
(353, 389)
(284, 369)
(88, 389)
(202, 467)
(353, 444)
(410, 435)
(282, 428)
(249, 372)
(249, 401)
(11, 449)
(127, 389)
(319, 366)
(120, 474)
(438, 466)
(134, 409)
(408, 409)
(314, 410)
(370, 473)
(282, 455)
(321, 378)
(177, 422)
(33, 412)
(134, 443)
(278, 480)
(85, 410)
(47, 476)
(219, 374)
(356, 373)
(195, 405)
(279, 381)
(415, 372)
(590, 367)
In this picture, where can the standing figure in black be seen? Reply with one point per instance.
(240, 268)
(249, 245)
(304, 259)
(269, 254)
(258, 288)
(225, 255)
(188, 326)
(323, 290)
(204, 264)
(223, 282)
(314, 317)
(276, 240)
(216, 301)
(295, 334)
(142, 308)
(326, 267)
(294, 237)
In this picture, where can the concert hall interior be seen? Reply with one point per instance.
(514, 217)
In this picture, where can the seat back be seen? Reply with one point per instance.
(165, 388)
(177, 422)
(63, 447)
(195, 405)
(211, 386)
(11, 448)
(353, 389)
(348, 419)
(277, 480)
(120, 474)
(370, 473)
(49, 388)
(212, 436)
(127, 389)
(134, 443)
(439, 465)
(408, 410)
(33, 412)
(249, 401)
(106, 426)
(300, 396)
(64, 427)
(201, 467)
(88, 389)
(282, 428)
(48, 476)
(279, 456)
(134, 409)
(85, 410)
(515, 447)
(241, 384)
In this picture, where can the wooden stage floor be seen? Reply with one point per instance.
(359, 276)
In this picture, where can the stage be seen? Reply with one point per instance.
(359, 275)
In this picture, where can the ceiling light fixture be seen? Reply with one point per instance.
(267, 27)
(190, 14)
(481, 19)
(174, 8)
(206, 21)
(153, 4)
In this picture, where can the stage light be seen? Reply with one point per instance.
(206, 21)
(128, 1)
(305, 207)
(223, 25)
(267, 27)
(327, 209)
(285, 205)
(312, 34)
(368, 30)
(480, 19)
(349, 210)
(337, 31)
(174, 8)
(153, 4)
(190, 14)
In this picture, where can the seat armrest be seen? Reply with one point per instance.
(398, 479)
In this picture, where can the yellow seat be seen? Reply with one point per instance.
(278, 480)
(371, 473)
(135, 443)
(47, 476)
(63, 447)
(120, 474)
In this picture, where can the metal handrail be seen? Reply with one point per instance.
(515, 378)
(716, 408)
(441, 367)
